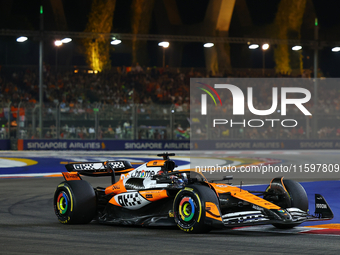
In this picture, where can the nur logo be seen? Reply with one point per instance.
(204, 97)
(239, 99)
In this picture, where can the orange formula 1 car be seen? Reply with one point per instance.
(155, 194)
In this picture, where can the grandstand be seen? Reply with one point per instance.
(134, 103)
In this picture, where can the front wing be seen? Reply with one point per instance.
(249, 218)
(288, 216)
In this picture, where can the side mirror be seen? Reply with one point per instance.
(228, 177)
(225, 178)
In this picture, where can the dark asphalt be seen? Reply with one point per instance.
(28, 226)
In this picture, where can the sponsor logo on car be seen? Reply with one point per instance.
(117, 164)
(132, 200)
(116, 187)
(321, 206)
(257, 208)
(88, 166)
(222, 185)
(143, 174)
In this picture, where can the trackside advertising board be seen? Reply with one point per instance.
(36, 144)
(50, 144)
(5, 144)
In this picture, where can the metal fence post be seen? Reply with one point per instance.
(18, 121)
(9, 120)
(307, 127)
(57, 117)
(208, 130)
(96, 122)
(134, 122)
(33, 121)
(172, 116)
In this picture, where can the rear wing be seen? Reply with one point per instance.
(107, 168)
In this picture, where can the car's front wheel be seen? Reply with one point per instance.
(291, 195)
(190, 208)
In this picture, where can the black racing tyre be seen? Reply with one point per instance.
(75, 202)
(189, 208)
(298, 199)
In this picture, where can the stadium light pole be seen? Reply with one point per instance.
(264, 48)
(41, 69)
(316, 38)
(164, 45)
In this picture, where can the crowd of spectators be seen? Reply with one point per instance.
(133, 84)
(120, 86)
(71, 90)
(82, 132)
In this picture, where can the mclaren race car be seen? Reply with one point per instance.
(156, 194)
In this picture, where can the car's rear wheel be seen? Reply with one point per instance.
(75, 202)
(296, 197)
(189, 208)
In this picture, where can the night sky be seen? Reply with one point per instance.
(25, 16)
(192, 11)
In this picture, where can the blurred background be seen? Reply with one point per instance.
(121, 69)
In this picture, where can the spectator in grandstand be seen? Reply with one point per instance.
(48, 135)
(285, 134)
(293, 133)
(301, 132)
(126, 129)
(109, 132)
(92, 133)
(53, 131)
(180, 133)
(72, 131)
(118, 132)
(139, 69)
(3, 132)
(100, 132)
(326, 132)
(338, 132)
(79, 133)
(84, 132)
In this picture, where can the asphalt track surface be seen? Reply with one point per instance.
(28, 225)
